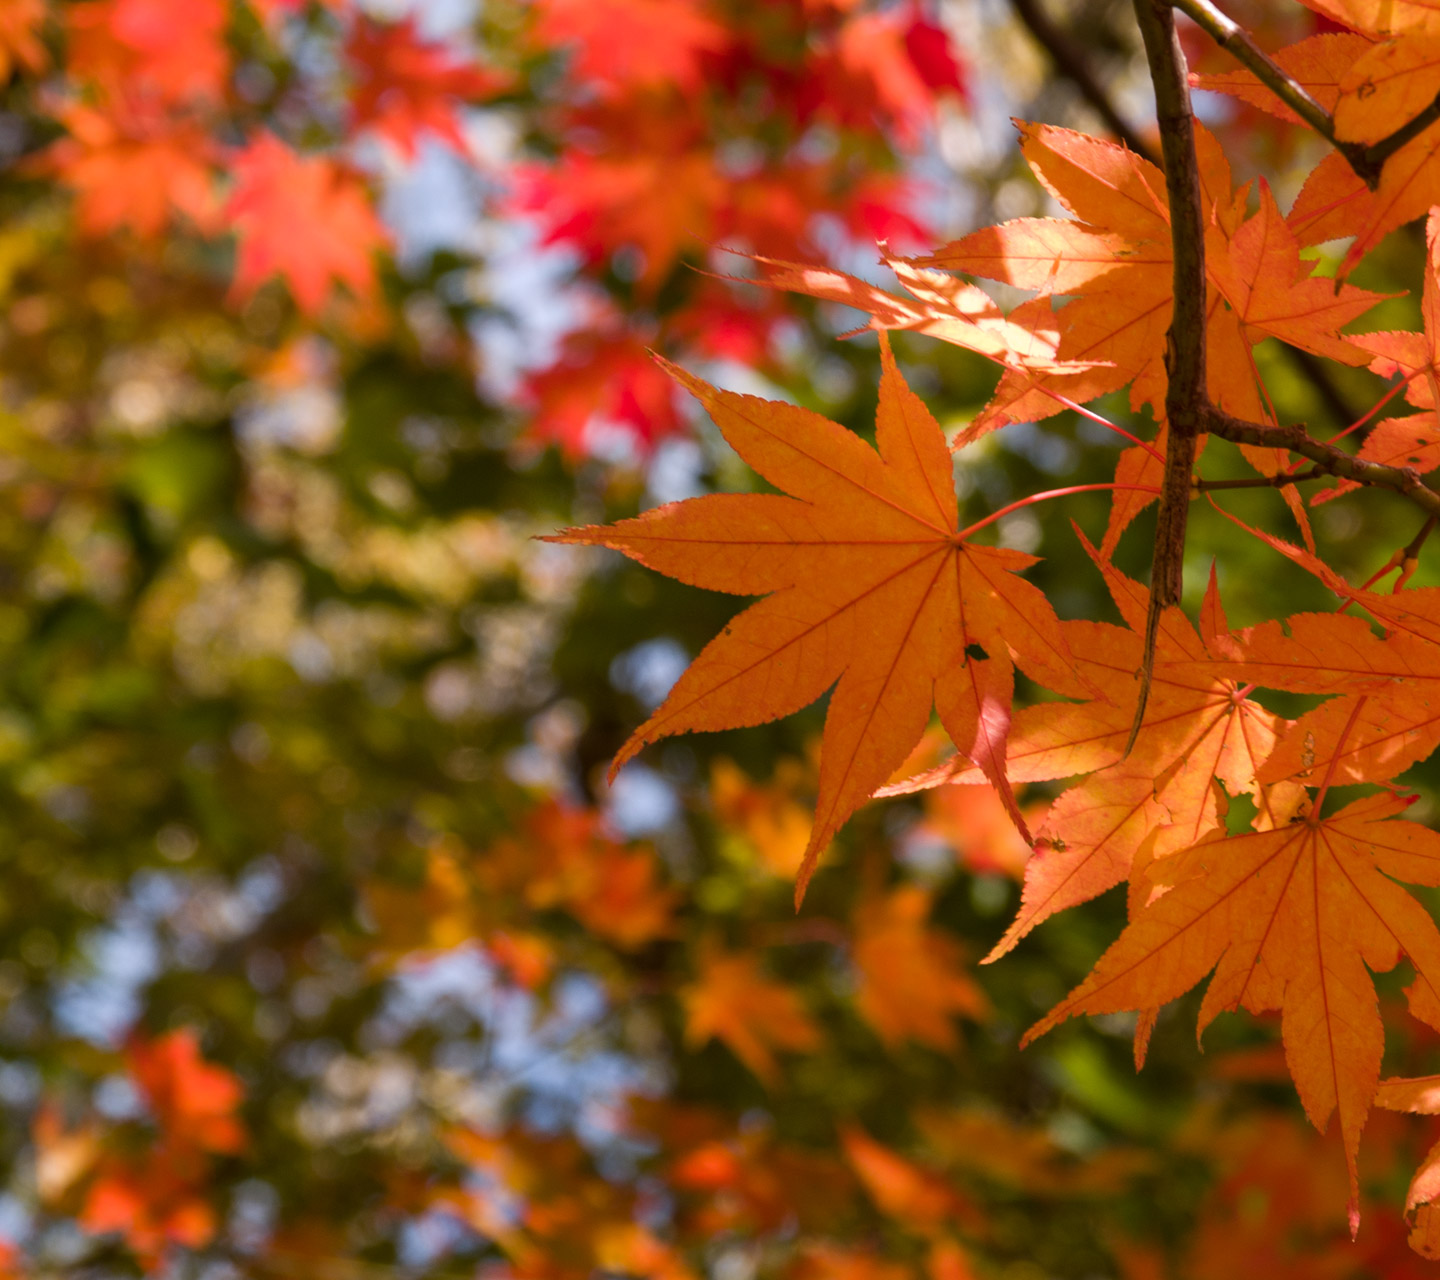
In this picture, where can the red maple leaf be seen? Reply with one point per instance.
(171, 49)
(406, 86)
(303, 218)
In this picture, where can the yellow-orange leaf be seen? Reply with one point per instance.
(1289, 919)
(912, 984)
(1386, 86)
(869, 583)
(754, 1016)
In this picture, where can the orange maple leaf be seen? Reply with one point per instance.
(1289, 919)
(1387, 714)
(135, 168)
(1199, 725)
(767, 816)
(733, 1001)
(939, 306)
(171, 49)
(572, 863)
(1413, 441)
(1419, 1095)
(154, 1205)
(912, 983)
(914, 1196)
(1373, 84)
(869, 583)
(194, 1101)
(303, 218)
(1317, 64)
(1116, 266)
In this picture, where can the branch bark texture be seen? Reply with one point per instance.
(1185, 396)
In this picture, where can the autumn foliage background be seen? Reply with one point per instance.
(326, 949)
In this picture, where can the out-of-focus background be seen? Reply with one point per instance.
(325, 948)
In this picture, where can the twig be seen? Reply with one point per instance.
(1070, 62)
(1236, 41)
(1329, 459)
(1366, 161)
(1260, 482)
(1185, 396)
(1410, 555)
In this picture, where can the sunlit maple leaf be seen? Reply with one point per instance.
(1317, 64)
(1382, 17)
(912, 980)
(302, 218)
(1115, 265)
(619, 43)
(1376, 88)
(1413, 441)
(1289, 919)
(172, 49)
(754, 1016)
(870, 584)
(1199, 725)
(1387, 85)
(939, 306)
(1387, 714)
(1273, 294)
(135, 169)
(406, 86)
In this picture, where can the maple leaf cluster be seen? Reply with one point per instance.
(873, 590)
(302, 743)
(155, 1193)
(647, 132)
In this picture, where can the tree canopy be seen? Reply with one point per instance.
(394, 888)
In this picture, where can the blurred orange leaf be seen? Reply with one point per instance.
(752, 1015)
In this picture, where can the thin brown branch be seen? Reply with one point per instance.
(1236, 41)
(1366, 161)
(1260, 482)
(1070, 61)
(1410, 554)
(1185, 396)
(1379, 152)
(1328, 458)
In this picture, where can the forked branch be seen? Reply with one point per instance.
(1188, 408)
(1366, 161)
